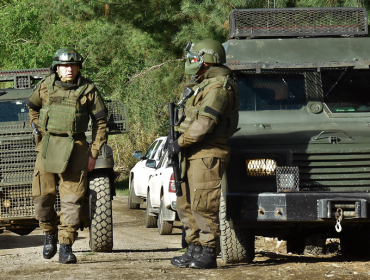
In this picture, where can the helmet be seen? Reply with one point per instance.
(209, 51)
(67, 56)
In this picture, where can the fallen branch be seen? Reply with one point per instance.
(155, 67)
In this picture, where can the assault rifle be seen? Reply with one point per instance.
(174, 135)
(175, 159)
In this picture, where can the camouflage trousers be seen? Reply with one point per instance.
(72, 189)
(198, 207)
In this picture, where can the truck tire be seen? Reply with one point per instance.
(132, 198)
(100, 206)
(150, 220)
(295, 245)
(164, 227)
(22, 231)
(236, 244)
(355, 245)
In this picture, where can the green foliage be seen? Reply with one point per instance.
(132, 48)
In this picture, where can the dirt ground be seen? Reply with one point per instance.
(141, 253)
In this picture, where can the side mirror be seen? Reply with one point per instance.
(138, 154)
(150, 163)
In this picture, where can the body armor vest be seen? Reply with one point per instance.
(227, 125)
(63, 113)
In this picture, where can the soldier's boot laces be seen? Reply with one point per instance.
(207, 259)
(188, 256)
(66, 255)
(50, 245)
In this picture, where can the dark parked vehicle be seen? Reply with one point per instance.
(300, 163)
(17, 160)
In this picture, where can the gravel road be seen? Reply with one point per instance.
(141, 253)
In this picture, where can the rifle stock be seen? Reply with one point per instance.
(175, 159)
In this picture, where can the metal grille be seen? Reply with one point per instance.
(16, 201)
(298, 22)
(17, 162)
(117, 116)
(287, 178)
(22, 82)
(38, 73)
(333, 171)
(17, 158)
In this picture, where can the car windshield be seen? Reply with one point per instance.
(346, 90)
(260, 92)
(13, 110)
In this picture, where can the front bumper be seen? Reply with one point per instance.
(296, 207)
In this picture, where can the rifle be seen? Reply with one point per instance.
(174, 135)
(175, 159)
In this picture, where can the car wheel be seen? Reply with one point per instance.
(237, 244)
(150, 219)
(132, 198)
(164, 227)
(100, 207)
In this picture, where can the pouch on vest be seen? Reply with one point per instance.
(56, 152)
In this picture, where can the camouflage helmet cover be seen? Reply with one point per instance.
(208, 50)
(67, 56)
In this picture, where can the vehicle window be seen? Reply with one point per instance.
(346, 90)
(156, 149)
(13, 110)
(150, 150)
(271, 92)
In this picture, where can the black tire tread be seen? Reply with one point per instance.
(101, 228)
(236, 244)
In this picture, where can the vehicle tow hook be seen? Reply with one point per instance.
(339, 218)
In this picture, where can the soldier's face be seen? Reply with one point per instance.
(67, 72)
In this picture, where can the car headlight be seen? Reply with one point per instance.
(261, 167)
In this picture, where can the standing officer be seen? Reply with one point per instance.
(211, 117)
(60, 107)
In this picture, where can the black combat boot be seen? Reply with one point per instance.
(187, 257)
(50, 245)
(207, 259)
(66, 255)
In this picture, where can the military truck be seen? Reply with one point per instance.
(18, 156)
(300, 163)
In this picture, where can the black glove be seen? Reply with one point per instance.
(173, 149)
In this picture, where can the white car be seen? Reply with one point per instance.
(140, 173)
(161, 199)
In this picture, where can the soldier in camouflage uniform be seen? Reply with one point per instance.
(60, 106)
(211, 117)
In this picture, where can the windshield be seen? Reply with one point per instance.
(346, 90)
(260, 92)
(13, 110)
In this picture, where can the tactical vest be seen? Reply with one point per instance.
(62, 113)
(226, 125)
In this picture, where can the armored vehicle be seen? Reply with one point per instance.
(18, 156)
(300, 163)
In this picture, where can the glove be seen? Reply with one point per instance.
(173, 149)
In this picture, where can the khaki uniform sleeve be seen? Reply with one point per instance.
(36, 101)
(211, 108)
(98, 113)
